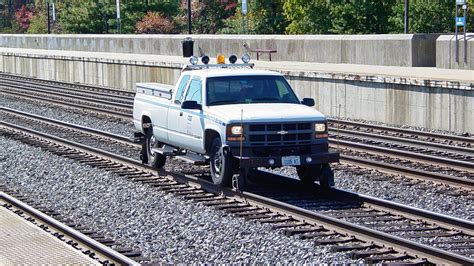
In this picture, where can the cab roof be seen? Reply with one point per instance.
(225, 72)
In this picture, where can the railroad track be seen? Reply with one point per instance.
(89, 243)
(277, 207)
(387, 164)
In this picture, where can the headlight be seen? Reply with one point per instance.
(236, 130)
(235, 133)
(320, 127)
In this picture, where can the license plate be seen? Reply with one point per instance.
(290, 160)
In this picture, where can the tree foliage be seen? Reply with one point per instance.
(263, 17)
(99, 16)
(155, 22)
(23, 18)
(367, 17)
(216, 16)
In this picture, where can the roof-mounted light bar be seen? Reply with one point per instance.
(220, 62)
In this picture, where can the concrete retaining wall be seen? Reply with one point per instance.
(415, 50)
(446, 52)
(393, 101)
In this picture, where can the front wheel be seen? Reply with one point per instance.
(221, 164)
(154, 159)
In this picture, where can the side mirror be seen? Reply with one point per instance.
(308, 102)
(191, 105)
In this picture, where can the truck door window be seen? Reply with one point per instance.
(181, 87)
(194, 92)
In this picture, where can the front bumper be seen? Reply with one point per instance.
(276, 161)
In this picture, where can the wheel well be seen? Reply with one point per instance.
(146, 120)
(209, 135)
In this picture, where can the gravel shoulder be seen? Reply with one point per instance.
(164, 227)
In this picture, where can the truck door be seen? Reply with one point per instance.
(191, 122)
(175, 110)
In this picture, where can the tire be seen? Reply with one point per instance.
(309, 173)
(154, 160)
(222, 164)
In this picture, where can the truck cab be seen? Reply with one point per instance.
(236, 119)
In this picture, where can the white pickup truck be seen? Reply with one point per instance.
(235, 119)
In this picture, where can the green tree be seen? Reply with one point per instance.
(426, 16)
(307, 17)
(207, 16)
(38, 24)
(99, 16)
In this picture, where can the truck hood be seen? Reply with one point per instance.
(265, 112)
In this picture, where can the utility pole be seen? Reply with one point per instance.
(49, 20)
(407, 9)
(189, 17)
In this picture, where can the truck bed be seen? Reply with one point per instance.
(156, 89)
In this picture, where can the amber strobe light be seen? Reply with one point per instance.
(221, 59)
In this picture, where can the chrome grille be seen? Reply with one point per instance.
(276, 134)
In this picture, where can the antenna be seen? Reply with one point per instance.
(241, 134)
(338, 125)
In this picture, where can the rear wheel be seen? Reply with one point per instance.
(154, 159)
(221, 163)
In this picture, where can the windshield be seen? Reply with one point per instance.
(249, 89)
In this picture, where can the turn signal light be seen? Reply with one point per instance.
(321, 136)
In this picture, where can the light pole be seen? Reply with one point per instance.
(189, 17)
(407, 9)
(119, 26)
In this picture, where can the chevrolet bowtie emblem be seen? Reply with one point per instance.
(283, 132)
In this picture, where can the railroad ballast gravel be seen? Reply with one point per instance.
(420, 196)
(163, 226)
(423, 195)
(76, 116)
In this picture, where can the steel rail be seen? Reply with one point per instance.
(23, 89)
(449, 221)
(403, 130)
(69, 88)
(126, 95)
(69, 125)
(417, 173)
(78, 106)
(336, 132)
(363, 232)
(408, 154)
(446, 179)
(83, 239)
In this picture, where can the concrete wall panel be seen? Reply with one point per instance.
(390, 50)
(446, 52)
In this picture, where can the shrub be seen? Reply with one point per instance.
(155, 22)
